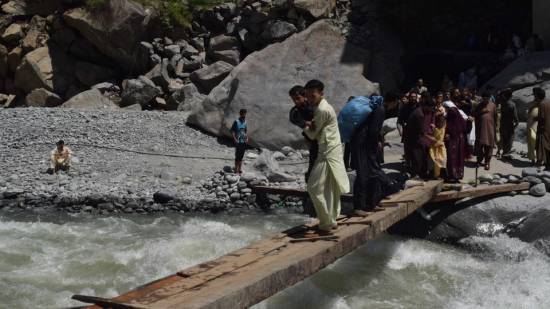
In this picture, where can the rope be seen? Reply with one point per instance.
(165, 154)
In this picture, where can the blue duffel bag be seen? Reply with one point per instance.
(354, 113)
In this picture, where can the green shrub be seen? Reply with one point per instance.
(95, 3)
(172, 12)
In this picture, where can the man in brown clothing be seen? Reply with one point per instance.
(543, 132)
(485, 116)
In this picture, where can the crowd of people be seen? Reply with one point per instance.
(439, 132)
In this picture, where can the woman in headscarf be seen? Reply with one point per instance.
(455, 142)
(420, 127)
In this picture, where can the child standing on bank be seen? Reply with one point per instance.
(240, 138)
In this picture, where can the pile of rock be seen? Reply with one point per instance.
(226, 190)
(539, 180)
(51, 51)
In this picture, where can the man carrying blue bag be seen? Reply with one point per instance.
(361, 122)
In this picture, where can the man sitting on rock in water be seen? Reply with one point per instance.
(328, 179)
(240, 137)
(299, 114)
(60, 158)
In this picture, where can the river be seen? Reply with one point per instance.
(44, 259)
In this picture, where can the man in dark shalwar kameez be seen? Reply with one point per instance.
(419, 127)
(509, 120)
(371, 184)
(405, 112)
(485, 116)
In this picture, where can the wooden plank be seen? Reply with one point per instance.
(479, 192)
(412, 194)
(240, 284)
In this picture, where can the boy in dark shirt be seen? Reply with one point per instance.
(240, 138)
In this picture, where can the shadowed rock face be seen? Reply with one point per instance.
(520, 216)
(261, 82)
(114, 30)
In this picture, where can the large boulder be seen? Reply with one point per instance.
(317, 8)
(13, 33)
(209, 77)
(526, 71)
(90, 100)
(278, 30)
(524, 97)
(3, 61)
(37, 36)
(261, 82)
(46, 67)
(139, 91)
(115, 29)
(43, 98)
(31, 7)
(187, 99)
(90, 74)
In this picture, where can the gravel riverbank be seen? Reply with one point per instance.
(120, 160)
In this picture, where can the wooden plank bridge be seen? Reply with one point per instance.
(249, 275)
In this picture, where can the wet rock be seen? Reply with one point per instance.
(163, 197)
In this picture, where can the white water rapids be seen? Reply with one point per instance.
(45, 260)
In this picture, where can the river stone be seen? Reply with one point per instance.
(538, 190)
(235, 196)
(163, 197)
(514, 179)
(530, 171)
(232, 178)
(546, 181)
(287, 150)
(486, 178)
(343, 67)
(532, 180)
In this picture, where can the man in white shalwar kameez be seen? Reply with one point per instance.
(328, 179)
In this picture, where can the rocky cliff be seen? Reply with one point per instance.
(119, 55)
